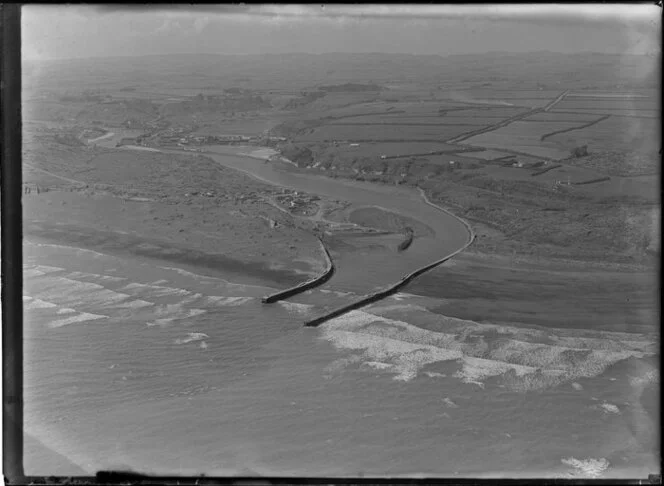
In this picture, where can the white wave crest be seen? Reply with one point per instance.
(610, 408)
(94, 276)
(153, 291)
(225, 301)
(73, 293)
(590, 468)
(82, 317)
(524, 359)
(449, 403)
(166, 314)
(76, 249)
(475, 370)
(302, 309)
(37, 304)
(192, 336)
(31, 273)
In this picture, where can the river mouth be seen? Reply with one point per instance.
(363, 265)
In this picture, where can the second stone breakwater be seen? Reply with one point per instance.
(394, 288)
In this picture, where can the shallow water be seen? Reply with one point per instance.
(131, 363)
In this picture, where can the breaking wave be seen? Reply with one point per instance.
(80, 317)
(302, 309)
(522, 359)
(166, 314)
(587, 468)
(192, 336)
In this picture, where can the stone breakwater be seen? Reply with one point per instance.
(309, 284)
(394, 288)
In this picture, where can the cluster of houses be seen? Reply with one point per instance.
(214, 139)
(297, 202)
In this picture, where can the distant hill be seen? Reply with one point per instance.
(299, 71)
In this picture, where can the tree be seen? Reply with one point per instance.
(581, 151)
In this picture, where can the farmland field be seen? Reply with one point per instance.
(391, 149)
(654, 113)
(572, 104)
(609, 95)
(490, 154)
(424, 107)
(494, 112)
(406, 121)
(614, 133)
(508, 94)
(525, 137)
(552, 116)
(464, 161)
(385, 132)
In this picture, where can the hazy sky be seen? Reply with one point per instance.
(60, 31)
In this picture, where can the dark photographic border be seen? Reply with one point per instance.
(12, 309)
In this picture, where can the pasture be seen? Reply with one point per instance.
(381, 133)
(507, 94)
(609, 104)
(552, 116)
(614, 134)
(391, 149)
(494, 113)
(431, 120)
(654, 113)
(523, 136)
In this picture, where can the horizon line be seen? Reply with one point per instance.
(295, 53)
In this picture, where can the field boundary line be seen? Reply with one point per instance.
(580, 127)
(560, 97)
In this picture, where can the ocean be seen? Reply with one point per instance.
(132, 363)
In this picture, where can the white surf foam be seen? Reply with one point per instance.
(590, 468)
(31, 273)
(302, 309)
(37, 304)
(82, 317)
(610, 408)
(94, 276)
(196, 276)
(74, 293)
(524, 359)
(165, 315)
(377, 365)
(208, 280)
(192, 336)
(71, 248)
(649, 377)
(43, 269)
(449, 403)
(225, 301)
(152, 291)
(475, 370)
